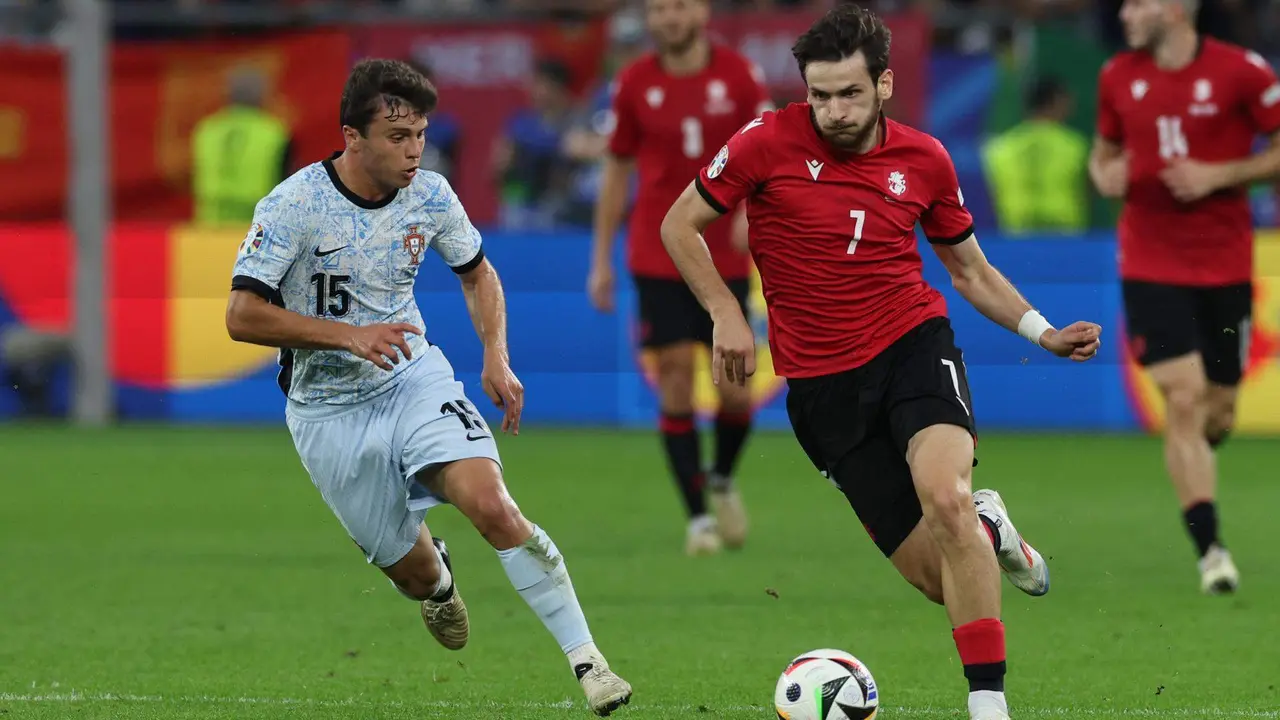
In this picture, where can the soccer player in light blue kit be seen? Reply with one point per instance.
(326, 273)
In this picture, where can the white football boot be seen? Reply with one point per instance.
(702, 538)
(1218, 574)
(447, 621)
(1024, 567)
(605, 691)
(731, 514)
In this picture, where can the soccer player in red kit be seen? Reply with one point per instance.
(673, 109)
(1177, 119)
(877, 394)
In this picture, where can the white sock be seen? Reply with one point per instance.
(536, 570)
(442, 585)
(988, 703)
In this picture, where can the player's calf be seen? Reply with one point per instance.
(919, 560)
(425, 574)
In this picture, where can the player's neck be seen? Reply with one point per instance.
(690, 61)
(1178, 49)
(356, 180)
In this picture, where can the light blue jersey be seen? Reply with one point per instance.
(317, 249)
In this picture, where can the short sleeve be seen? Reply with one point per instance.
(456, 240)
(946, 222)
(1109, 125)
(624, 136)
(739, 168)
(1261, 94)
(275, 239)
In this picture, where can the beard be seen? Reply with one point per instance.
(847, 137)
(679, 43)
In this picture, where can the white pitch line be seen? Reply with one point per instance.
(887, 711)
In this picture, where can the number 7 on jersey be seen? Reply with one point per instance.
(859, 217)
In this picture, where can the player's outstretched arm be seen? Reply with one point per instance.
(487, 305)
(1108, 167)
(251, 319)
(995, 297)
(733, 351)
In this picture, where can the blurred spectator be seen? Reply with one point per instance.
(444, 137)
(28, 361)
(527, 160)
(1037, 170)
(238, 154)
(588, 139)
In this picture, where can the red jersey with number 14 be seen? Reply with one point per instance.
(833, 234)
(1211, 111)
(672, 125)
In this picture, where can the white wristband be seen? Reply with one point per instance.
(1032, 326)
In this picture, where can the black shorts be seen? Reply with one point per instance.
(670, 313)
(1169, 321)
(855, 425)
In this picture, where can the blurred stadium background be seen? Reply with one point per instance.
(113, 281)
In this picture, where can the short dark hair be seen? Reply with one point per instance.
(1044, 93)
(843, 31)
(374, 82)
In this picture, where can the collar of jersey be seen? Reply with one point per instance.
(346, 191)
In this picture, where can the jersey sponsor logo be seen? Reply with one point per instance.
(322, 253)
(252, 242)
(815, 168)
(1139, 89)
(1271, 96)
(897, 182)
(654, 96)
(718, 162)
(413, 243)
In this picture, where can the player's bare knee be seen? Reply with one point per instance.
(500, 521)
(948, 508)
(1186, 406)
(675, 380)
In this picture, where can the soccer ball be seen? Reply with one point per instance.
(826, 685)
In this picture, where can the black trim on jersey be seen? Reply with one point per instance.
(257, 287)
(955, 239)
(471, 264)
(285, 357)
(348, 194)
(706, 195)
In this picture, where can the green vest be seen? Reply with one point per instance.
(236, 159)
(1038, 175)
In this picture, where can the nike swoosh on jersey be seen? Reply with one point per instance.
(474, 438)
(322, 253)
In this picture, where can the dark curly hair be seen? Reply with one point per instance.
(374, 83)
(843, 31)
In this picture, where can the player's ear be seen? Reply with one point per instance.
(884, 86)
(351, 135)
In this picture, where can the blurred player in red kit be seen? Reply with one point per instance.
(672, 110)
(877, 393)
(1177, 119)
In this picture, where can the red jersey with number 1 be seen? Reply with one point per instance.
(1211, 110)
(833, 234)
(672, 125)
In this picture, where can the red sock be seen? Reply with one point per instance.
(981, 646)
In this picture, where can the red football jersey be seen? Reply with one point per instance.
(1211, 110)
(672, 125)
(833, 234)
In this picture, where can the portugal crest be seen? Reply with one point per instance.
(413, 242)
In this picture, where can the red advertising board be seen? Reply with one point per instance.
(159, 91)
(483, 72)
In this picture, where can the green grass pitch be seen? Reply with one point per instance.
(151, 572)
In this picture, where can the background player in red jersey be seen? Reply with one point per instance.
(672, 109)
(877, 393)
(1177, 119)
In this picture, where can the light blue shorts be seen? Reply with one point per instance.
(364, 457)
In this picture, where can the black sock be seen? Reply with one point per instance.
(732, 430)
(992, 531)
(684, 455)
(988, 676)
(1202, 523)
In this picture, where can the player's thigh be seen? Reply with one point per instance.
(669, 313)
(349, 459)
(839, 424)
(438, 425)
(1160, 321)
(1225, 320)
